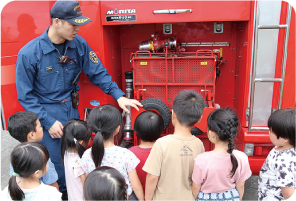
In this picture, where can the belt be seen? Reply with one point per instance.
(66, 99)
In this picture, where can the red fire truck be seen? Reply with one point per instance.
(237, 54)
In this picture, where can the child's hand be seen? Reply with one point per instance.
(287, 192)
(195, 190)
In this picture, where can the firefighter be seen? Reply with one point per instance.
(44, 82)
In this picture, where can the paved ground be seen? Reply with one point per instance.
(8, 143)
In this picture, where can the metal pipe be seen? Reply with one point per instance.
(280, 26)
(254, 66)
(128, 133)
(259, 128)
(205, 44)
(171, 11)
(288, 21)
(268, 80)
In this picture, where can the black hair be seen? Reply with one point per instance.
(188, 107)
(20, 124)
(224, 123)
(282, 123)
(148, 126)
(26, 158)
(105, 183)
(103, 120)
(78, 130)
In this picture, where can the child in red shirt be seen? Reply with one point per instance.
(148, 126)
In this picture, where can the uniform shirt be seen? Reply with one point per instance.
(40, 78)
(119, 158)
(172, 158)
(278, 170)
(42, 192)
(211, 171)
(50, 177)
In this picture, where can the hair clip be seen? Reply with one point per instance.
(15, 174)
(75, 140)
(99, 131)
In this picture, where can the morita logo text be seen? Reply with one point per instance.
(117, 11)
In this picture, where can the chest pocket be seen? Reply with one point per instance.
(48, 81)
(70, 72)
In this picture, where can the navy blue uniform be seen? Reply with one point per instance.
(42, 83)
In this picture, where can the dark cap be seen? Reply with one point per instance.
(69, 11)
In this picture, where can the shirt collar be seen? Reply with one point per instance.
(47, 46)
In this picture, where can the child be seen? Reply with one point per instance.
(277, 177)
(30, 161)
(76, 138)
(25, 127)
(105, 183)
(221, 173)
(148, 126)
(170, 163)
(106, 121)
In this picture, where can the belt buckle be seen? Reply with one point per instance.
(63, 101)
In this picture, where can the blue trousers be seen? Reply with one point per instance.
(62, 112)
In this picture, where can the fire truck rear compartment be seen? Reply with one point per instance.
(123, 40)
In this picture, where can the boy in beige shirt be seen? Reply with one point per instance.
(169, 166)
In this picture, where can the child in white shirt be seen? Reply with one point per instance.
(76, 138)
(30, 161)
(277, 177)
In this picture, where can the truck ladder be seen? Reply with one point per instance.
(255, 79)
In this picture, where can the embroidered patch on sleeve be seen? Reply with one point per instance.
(93, 57)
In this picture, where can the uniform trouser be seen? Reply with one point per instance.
(62, 112)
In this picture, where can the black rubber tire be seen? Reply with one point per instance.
(196, 131)
(160, 107)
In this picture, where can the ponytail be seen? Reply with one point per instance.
(97, 150)
(103, 120)
(74, 130)
(80, 148)
(224, 123)
(15, 191)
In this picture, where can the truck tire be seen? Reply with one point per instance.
(196, 131)
(160, 107)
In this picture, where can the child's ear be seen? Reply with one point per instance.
(31, 137)
(211, 134)
(36, 173)
(173, 114)
(117, 129)
(286, 140)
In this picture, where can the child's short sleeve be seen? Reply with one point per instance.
(286, 169)
(245, 170)
(51, 176)
(197, 175)
(86, 162)
(154, 160)
(132, 161)
(77, 169)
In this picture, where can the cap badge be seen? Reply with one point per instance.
(80, 20)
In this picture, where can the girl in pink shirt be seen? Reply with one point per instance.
(76, 138)
(221, 174)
